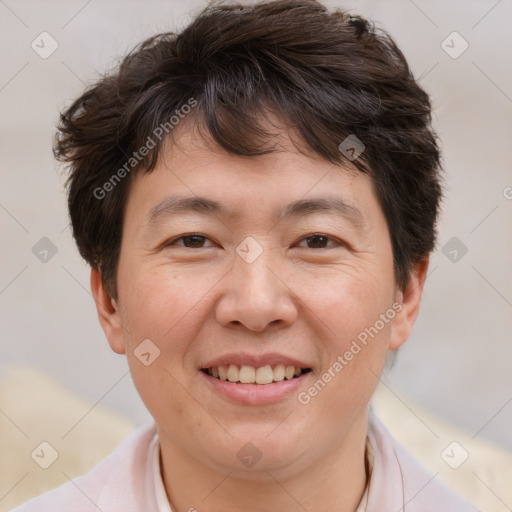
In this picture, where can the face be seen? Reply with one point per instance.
(256, 304)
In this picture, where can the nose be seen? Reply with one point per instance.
(256, 296)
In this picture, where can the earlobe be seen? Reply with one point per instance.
(409, 299)
(108, 313)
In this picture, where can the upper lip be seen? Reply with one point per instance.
(256, 360)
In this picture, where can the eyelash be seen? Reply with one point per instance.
(312, 235)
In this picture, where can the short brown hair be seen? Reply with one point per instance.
(329, 75)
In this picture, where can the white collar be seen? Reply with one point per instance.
(154, 467)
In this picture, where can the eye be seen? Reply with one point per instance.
(192, 241)
(318, 241)
(196, 241)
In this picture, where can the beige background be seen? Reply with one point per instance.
(457, 363)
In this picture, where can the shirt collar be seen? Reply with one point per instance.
(156, 485)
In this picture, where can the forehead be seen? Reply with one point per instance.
(195, 175)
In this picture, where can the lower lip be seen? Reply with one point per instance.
(255, 394)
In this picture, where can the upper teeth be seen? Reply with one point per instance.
(252, 375)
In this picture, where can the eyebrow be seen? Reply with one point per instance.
(173, 205)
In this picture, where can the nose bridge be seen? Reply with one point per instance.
(255, 296)
(259, 280)
(253, 267)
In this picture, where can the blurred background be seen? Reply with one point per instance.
(458, 362)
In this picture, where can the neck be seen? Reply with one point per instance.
(335, 481)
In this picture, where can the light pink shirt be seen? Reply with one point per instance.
(129, 480)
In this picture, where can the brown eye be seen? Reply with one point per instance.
(317, 241)
(193, 241)
(190, 241)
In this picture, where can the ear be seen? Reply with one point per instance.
(409, 299)
(108, 313)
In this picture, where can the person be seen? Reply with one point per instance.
(257, 199)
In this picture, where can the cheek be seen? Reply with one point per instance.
(154, 300)
(347, 300)
(160, 306)
(347, 307)
(167, 307)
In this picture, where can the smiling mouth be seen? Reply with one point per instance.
(244, 374)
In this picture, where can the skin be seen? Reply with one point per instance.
(303, 299)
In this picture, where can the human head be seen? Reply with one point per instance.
(249, 107)
(327, 75)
